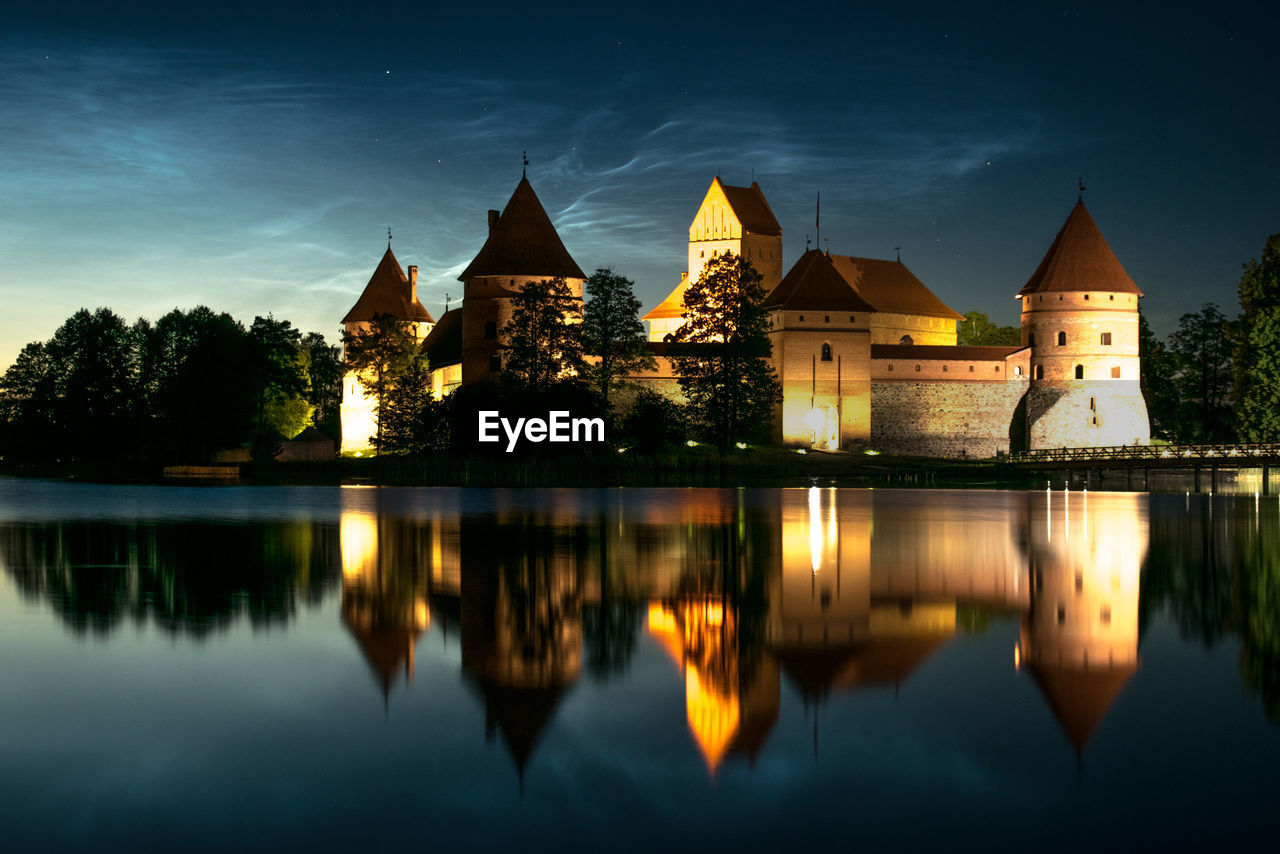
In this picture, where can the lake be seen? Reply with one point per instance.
(631, 669)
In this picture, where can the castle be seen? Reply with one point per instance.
(866, 353)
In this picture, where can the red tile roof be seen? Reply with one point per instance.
(942, 352)
(523, 242)
(891, 287)
(813, 283)
(1080, 260)
(751, 209)
(1080, 698)
(387, 293)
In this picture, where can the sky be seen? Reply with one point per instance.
(251, 156)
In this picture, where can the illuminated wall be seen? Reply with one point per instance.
(826, 403)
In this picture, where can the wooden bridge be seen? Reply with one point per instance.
(1144, 458)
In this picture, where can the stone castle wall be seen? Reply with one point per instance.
(955, 420)
(1087, 414)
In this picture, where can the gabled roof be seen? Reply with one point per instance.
(891, 287)
(387, 293)
(814, 283)
(523, 242)
(673, 305)
(443, 345)
(1080, 260)
(943, 352)
(751, 209)
(1080, 698)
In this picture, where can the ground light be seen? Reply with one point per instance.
(691, 443)
(742, 446)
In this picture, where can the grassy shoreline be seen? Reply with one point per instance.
(692, 467)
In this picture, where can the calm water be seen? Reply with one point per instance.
(635, 669)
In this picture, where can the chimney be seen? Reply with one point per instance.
(493, 220)
(413, 282)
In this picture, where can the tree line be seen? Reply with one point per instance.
(177, 390)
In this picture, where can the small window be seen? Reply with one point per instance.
(997, 369)
(853, 318)
(1062, 339)
(1031, 339)
(1086, 297)
(1093, 404)
(826, 319)
(971, 369)
(702, 254)
(1106, 339)
(1115, 372)
(1059, 297)
(491, 330)
(802, 317)
(1062, 614)
(1039, 372)
(1113, 297)
(495, 363)
(1079, 372)
(906, 339)
(917, 367)
(891, 368)
(944, 369)
(1017, 370)
(826, 352)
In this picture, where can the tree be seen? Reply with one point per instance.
(92, 365)
(414, 422)
(544, 337)
(654, 422)
(612, 331)
(977, 329)
(26, 405)
(324, 368)
(1257, 356)
(1201, 349)
(1156, 371)
(379, 354)
(279, 375)
(731, 387)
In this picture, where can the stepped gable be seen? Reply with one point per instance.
(751, 209)
(443, 346)
(1080, 698)
(891, 287)
(523, 242)
(1080, 260)
(813, 283)
(388, 292)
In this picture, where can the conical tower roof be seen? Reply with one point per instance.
(1080, 698)
(523, 242)
(813, 283)
(388, 292)
(1080, 260)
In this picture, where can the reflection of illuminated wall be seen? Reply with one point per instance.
(1086, 552)
(823, 591)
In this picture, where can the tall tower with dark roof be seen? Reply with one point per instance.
(1080, 319)
(522, 247)
(389, 292)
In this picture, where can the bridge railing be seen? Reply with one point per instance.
(1162, 454)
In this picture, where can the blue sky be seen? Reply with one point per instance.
(250, 157)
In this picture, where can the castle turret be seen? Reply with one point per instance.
(389, 293)
(1080, 319)
(522, 247)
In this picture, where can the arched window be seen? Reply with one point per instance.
(1039, 372)
(1062, 339)
(1017, 370)
(1079, 372)
(491, 330)
(826, 352)
(905, 339)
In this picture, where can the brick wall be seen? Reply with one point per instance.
(945, 419)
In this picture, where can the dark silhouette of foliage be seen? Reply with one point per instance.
(1157, 368)
(653, 423)
(544, 337)
(324, 368)
(731, 387)
(612, 332)
(380, 355)
(1257, 378)
(978, 329)
(1201, 351)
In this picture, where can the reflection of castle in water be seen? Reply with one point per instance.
(836, 590)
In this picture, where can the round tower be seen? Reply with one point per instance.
(1080, 319)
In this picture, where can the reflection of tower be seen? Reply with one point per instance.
(521, 630)
(731, 696)
(827, 630)
(1080, 635)
(383, 606)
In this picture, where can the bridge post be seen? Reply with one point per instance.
(1128, 479)
(1146, 479)
(1197, 478)
(1213, 480)
(1266, 470)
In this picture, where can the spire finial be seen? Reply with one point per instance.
(1080, 196)
(388, 237)
(446, 303)
(806, 243)
(898, 249)
(524, 170)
